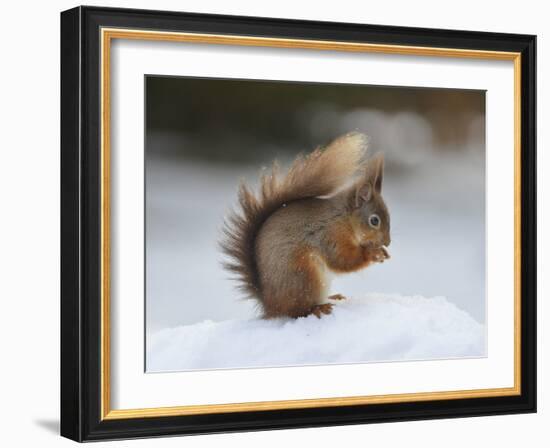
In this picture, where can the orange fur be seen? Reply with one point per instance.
(347, 255)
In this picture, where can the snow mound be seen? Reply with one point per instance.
(374, 328)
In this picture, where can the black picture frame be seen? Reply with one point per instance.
(81, 224)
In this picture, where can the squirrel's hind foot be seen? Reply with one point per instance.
(337, 297)
(323, 308)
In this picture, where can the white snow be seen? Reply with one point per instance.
(374, 328)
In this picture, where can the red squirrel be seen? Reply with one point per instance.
(325, 215)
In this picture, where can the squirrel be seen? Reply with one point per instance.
(326, 215)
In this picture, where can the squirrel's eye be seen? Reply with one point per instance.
(374, 221)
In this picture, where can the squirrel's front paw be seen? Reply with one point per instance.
(382, 254)
(378, 255)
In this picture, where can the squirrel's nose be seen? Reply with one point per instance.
(387, 240)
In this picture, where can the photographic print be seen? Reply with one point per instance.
(293, 224)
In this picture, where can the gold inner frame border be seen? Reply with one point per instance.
(107, 35)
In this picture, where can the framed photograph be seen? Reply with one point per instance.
(277, 224)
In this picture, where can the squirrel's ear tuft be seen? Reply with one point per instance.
(375, 171)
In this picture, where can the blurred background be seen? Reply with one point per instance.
(204, 135)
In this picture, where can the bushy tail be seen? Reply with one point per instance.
(321, 173)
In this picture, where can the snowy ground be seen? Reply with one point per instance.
(375, 328)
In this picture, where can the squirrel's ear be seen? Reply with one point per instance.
(372, 180)
(363, 193)
(375, 171)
